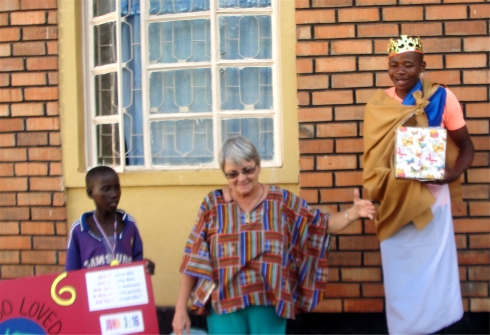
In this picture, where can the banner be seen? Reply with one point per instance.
(104, 300)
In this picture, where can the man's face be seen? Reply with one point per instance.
(404, 70)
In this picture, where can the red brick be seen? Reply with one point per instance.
(4, 79)
(52, 78)
(32, 139)
(336, 31)
(7, 199)
(9, 228)
(461, 241)
(475, 93)
(304, 65)
(5, 51)
(315, 16)
(33, 198)
(480, 304)
(476, 77)
(44, 154)
(351, 178)
(448, 13)
(52, 17)
(10, 95)
(27, 109)
(375, 2)
(311, 196)
(314, 114)
(480, 208)
(358, 15)
(59, 199)
(48, 269)
(41, 63)
(479, 273)
(373, 63)
(332, 3)
(44, 123)
(9, 5)
(349, 113)
(478, 175)
(466, 61)
(422, 28)
(481, 159)
(29, 49)
(7, 140)
(403, 14)
(448, 77)
(471, 226)
(481, 142)
(418, 2)
(373, 290)
(335, 64)
(38, 257)
(36, 4)
(13, 184)
(372, 258)
(37, 228)
(351, 47)
(337, 162)
(344, 258)
(31, 169)
(301, 3)
(11, 64)
(363, 96)
(52, 48)
(336, 129)
(341, 290)
(473, 257)
(479, 241)
(315, 146)
(4, 19)
(303, 32)
(332, 97)
(15, 243)
(315, 179)
(45, 184)
(306, 163)
(47, 213)
(442, 45)
(478, 110)
(337, 195)
(349, 145)
(480, 11)
(27, 18)
(41, 93)
(9, 34)
(311, 48)
(458, 208)
(306, 130)
(468, 28)
(352, 80)
(60, 228)
(312, 82)
(4, 110)
(52, 108)
(6, 170)
(28, 79)
(369, 242)
(476, 44)
(9, 257)
(328, 305)
(54, 139)
(363, 305)
(16, 271)
(377, 30)
(55, 169)
(474, 289)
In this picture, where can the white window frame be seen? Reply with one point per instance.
(91, 121)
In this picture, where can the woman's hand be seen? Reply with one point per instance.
(363, 208)
(181, 322)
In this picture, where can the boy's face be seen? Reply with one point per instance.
(105, 190)
(404, 70)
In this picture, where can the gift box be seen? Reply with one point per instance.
(420, 153)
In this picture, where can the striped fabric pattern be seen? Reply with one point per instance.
(279, 258)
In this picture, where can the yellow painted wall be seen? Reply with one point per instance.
(164, 203)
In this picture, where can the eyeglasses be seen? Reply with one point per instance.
(246, 172)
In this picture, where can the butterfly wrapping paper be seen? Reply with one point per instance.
(420, 153)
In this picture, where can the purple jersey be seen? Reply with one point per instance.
(86, 250)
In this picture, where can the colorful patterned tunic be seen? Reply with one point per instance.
(279, 258)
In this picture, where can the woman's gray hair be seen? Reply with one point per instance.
(236, 150)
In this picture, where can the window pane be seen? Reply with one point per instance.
(105, 44)
(102, 7)
(179, 41)
(108, 144)
(245, 37)
(183, 142)
(180, 91)
(258, 130)
(177, 6)
(244, 3)
(246, 88)
(106, 94)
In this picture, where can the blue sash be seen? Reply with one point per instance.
(434, 109)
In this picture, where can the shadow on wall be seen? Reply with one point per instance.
(342, 323)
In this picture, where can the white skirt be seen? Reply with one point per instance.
(420, 271)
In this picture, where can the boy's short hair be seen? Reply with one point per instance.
(97, 172)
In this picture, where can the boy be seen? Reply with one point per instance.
(414, 221)
(106, 236)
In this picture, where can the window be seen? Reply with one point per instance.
(168, 81)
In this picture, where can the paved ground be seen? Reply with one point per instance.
(344, 323)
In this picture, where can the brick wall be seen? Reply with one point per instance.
(32, 201)
(341, 61)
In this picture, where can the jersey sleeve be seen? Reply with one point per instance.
(137, 252)
(452, 118)
(73, 260)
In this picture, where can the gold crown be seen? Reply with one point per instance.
(404, 44)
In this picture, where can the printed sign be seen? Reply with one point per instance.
(105, 300)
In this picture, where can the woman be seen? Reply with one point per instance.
(257, 254)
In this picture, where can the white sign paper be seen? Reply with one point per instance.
(115, 288)
(122, 323)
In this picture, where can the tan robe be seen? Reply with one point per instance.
(401, 200)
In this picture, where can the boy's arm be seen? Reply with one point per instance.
(137, 252)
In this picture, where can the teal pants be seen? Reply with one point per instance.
(251, 320)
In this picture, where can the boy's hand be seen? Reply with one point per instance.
(150, 266)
